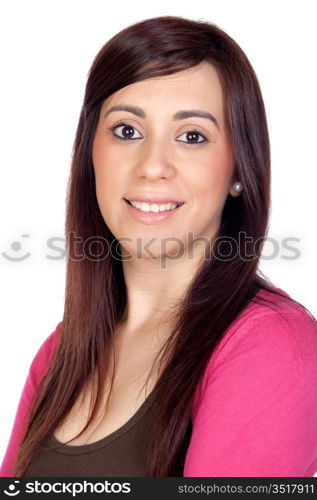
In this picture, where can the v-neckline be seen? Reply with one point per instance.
(67, 449)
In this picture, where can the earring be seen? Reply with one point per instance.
(238, 186)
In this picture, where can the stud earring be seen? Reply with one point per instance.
(238, 186)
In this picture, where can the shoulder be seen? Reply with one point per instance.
(271, 320)
(262, 373)
(267, 340)
(44, 355)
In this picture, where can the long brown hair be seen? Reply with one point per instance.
(95, 298)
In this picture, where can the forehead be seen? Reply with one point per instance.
(199, 86)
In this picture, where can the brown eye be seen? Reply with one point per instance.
(192, 137)
(126, 133)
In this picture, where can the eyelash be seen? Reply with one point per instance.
(112, 129)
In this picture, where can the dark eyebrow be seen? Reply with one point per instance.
(180, 115)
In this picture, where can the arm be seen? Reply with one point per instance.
(257, 416)
(37, 370)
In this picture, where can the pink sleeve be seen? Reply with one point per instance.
(37, 370)
(257, 414)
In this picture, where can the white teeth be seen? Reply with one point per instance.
(146, 207)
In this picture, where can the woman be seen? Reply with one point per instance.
(174, 356)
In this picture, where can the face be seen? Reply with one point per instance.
(151, 150)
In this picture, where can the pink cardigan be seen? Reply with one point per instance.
(256, 415)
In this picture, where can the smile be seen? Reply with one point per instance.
(151, 213)
(153, 207)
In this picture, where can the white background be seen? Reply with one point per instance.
(47, 48)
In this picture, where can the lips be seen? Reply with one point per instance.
(153, 200)
(179, 204)
(145, 217)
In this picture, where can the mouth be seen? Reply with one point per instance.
(152, 217)
(178, 204)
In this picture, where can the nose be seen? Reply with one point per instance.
(155, 161)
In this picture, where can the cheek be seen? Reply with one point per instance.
(100, 156)
(209, 174)
(107, 182)
(106, 167)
